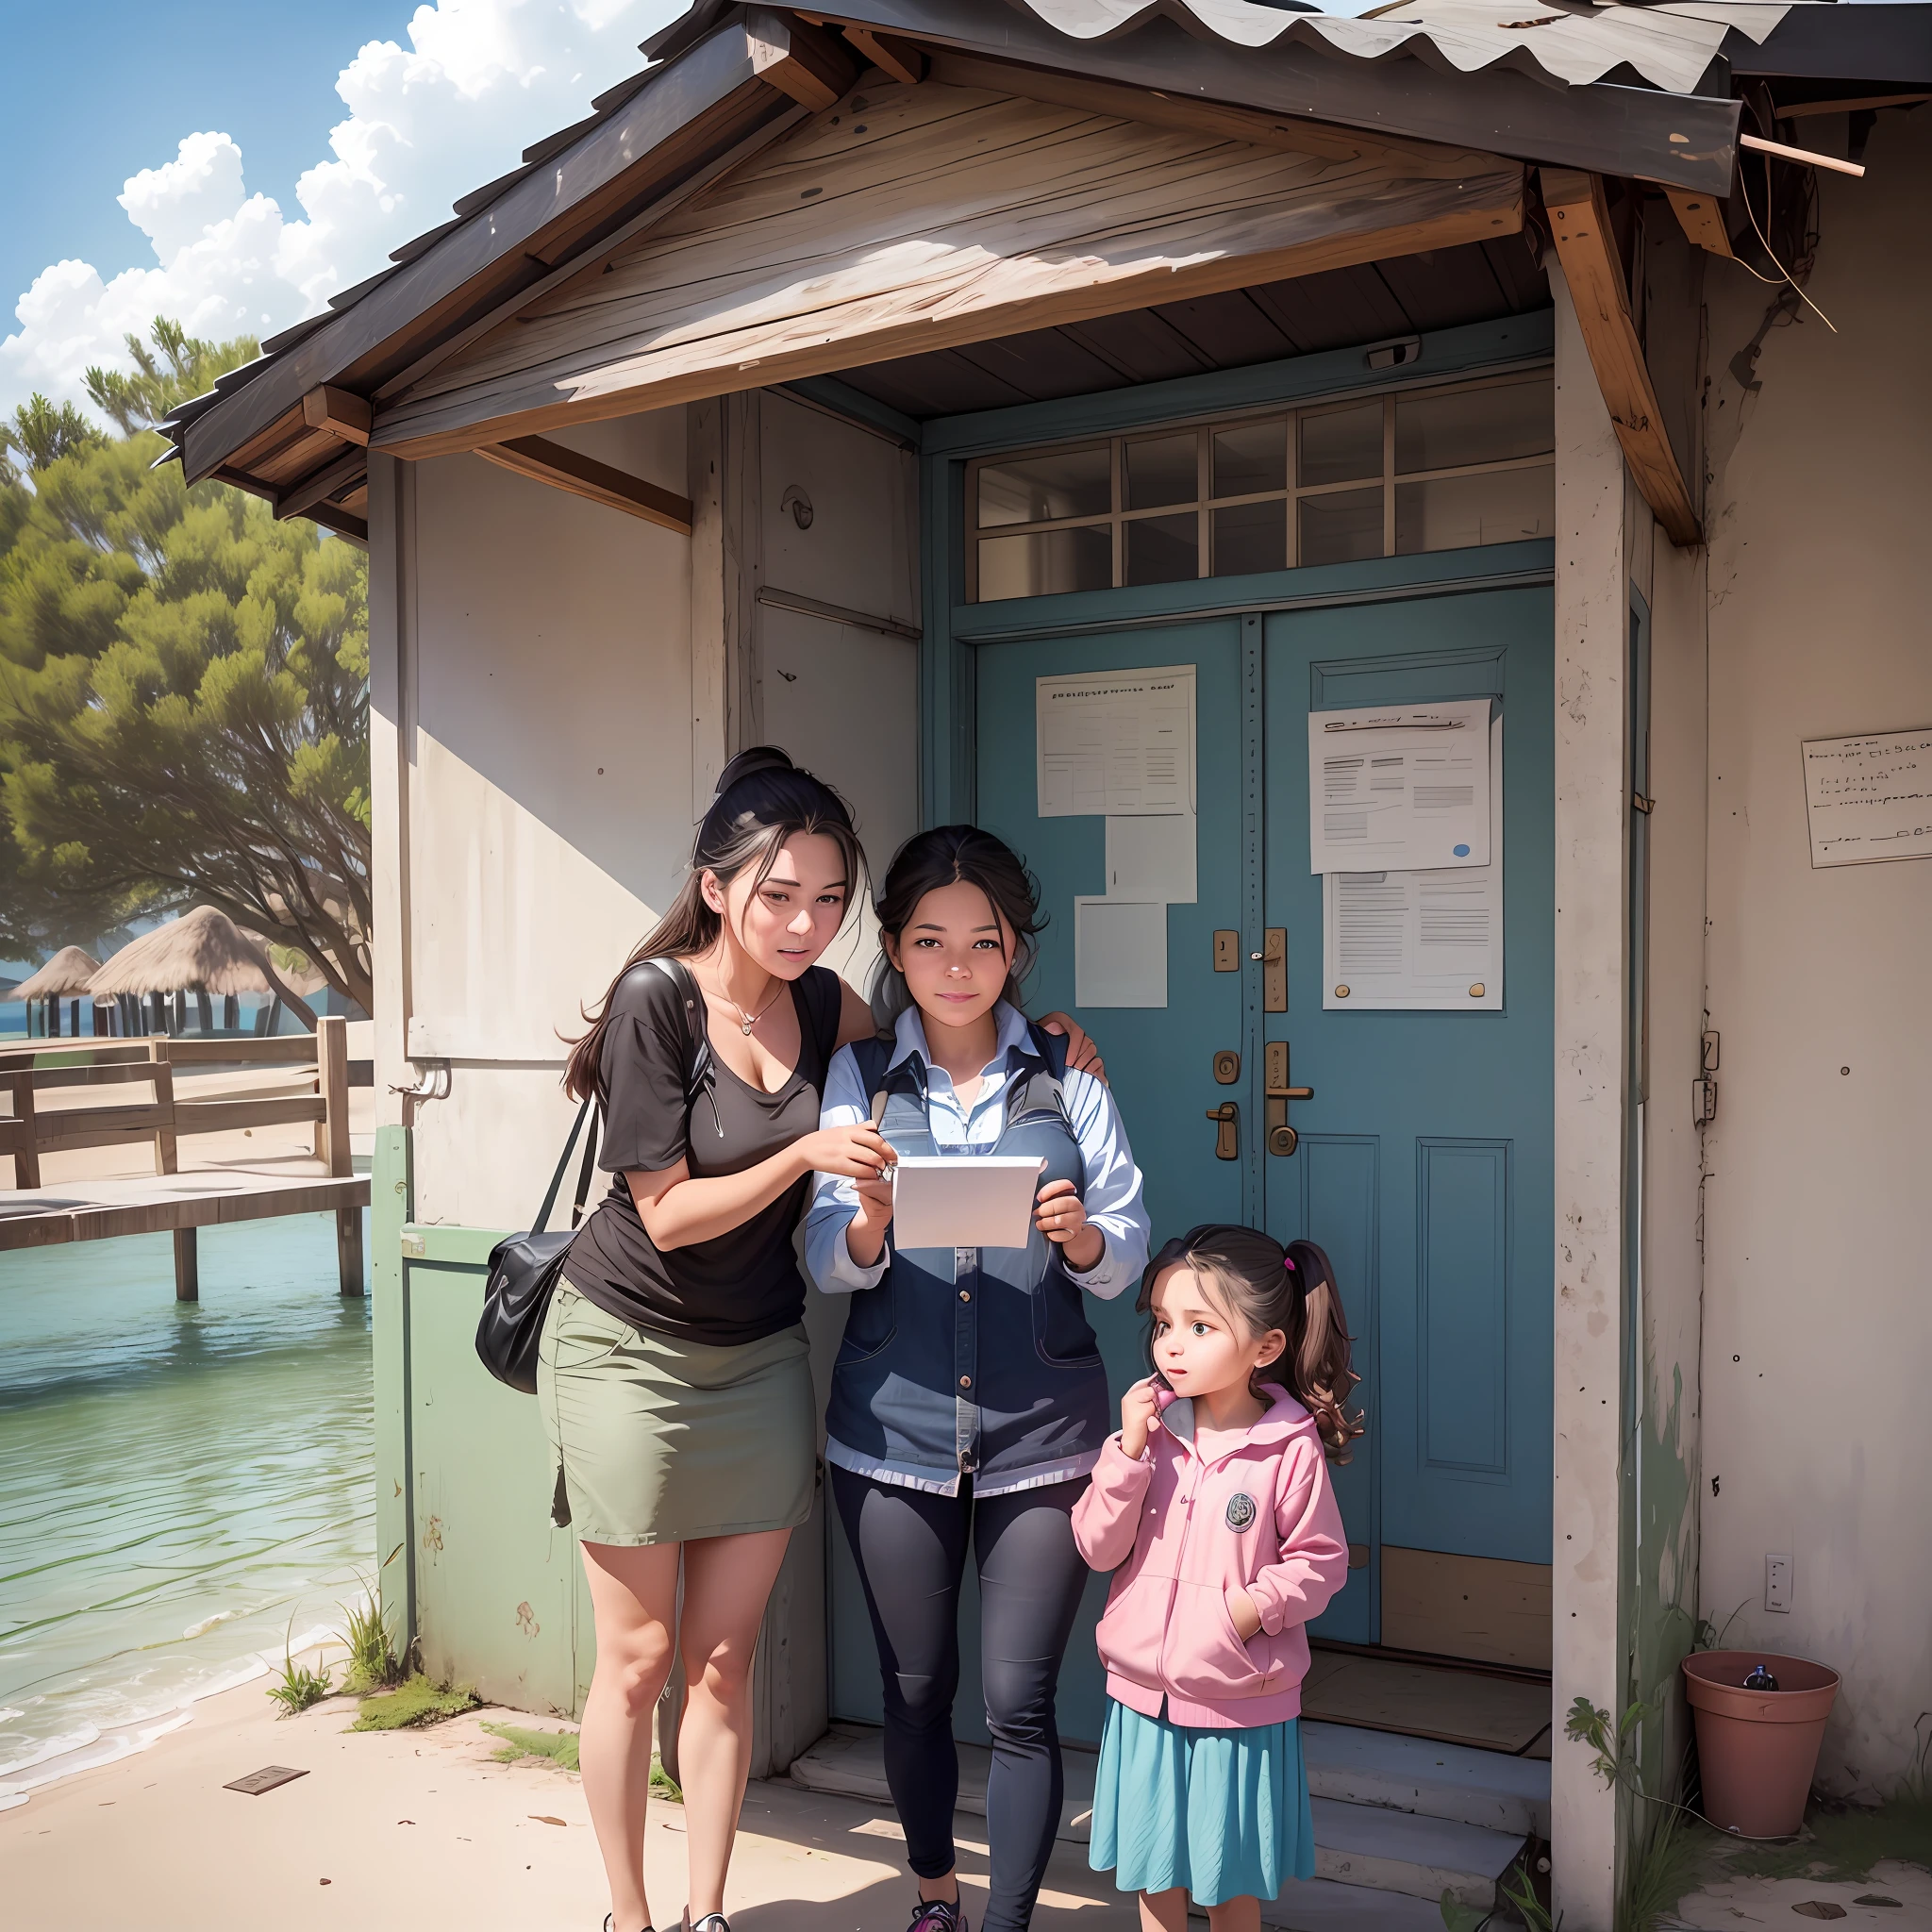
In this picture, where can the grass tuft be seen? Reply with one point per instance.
(372, 1660)
(300, 1687)
(1847, 1844)
(559, 1747)
(415, 1701)
(663, 1783)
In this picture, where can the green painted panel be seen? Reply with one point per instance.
(494, 1580)
(390, 1198)
(461, 1247)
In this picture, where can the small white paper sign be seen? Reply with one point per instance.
(1151, 858)
(1868, 798)
(1120, 952)
(1399, 787)
(1419, 941)
(1116, 742)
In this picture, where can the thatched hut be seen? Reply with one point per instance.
(205, 953)
(68, 976)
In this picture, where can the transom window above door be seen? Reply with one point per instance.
(1437, 469)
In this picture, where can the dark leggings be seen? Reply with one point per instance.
(910, 1547)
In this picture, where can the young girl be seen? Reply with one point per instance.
(969, 1401)
(1215, 1496)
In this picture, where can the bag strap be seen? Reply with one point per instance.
(563, 1161)
(697, 1037)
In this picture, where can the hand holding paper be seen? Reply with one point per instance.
(1060, 1215)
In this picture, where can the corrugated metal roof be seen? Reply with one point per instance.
(1669, 46)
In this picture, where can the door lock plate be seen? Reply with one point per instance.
(1227, 951)
(1227, 1066)
(1282, 1139)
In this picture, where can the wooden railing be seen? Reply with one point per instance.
(30, 1131)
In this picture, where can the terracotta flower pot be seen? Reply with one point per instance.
(1757, 1749)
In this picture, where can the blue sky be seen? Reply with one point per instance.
(270, 153)
(113, 86)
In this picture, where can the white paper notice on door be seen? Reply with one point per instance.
(1868, 798)
(1116, 743)
(1120, 952)
(1420, 941)
(1401, 788)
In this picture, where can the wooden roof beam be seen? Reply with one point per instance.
(544, 461)
(321, 484)
(889, 53)
(799, 59)
(339, 412)
(1701, 219)
(1586, 247)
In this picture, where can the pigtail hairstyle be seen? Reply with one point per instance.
(1261, 1286)
(763, 799)
(953, 855)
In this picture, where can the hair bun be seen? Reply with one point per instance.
(760, 757)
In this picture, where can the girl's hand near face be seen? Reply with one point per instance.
(1138, 1414)
(1060, 1215)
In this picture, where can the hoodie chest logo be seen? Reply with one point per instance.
(1241, 1510)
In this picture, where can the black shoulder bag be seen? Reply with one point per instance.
(524, 1268)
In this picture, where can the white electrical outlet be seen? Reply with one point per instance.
(1777, 1582)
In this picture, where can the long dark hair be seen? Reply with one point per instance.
(763, 799)
(1264, 1285)
(955, 856)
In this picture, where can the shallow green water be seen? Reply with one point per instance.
(178, 1485)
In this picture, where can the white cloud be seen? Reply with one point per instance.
(479, 81)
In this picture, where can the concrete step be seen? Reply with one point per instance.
(1318, 1905)
(1453, 1781)
(1400, 1852)
(1370, 1846)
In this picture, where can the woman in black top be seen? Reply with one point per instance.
(673, 1376)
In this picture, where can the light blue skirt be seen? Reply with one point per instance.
(1222, 1814)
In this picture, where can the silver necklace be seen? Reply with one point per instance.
(747, 1020)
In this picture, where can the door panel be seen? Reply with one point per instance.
(1449, 1300)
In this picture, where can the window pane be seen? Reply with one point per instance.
(1475, 426)
(1046, 562)
(1162, 470)
(1250, 459)
(1160, 550)
(1072, 483)
(1341, 528)
(1453, 512)
(1342, 444)
(1252, 535)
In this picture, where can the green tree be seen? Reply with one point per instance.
(184, 366)
(183, 700)
(39, 434)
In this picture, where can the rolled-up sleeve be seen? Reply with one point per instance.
(1112, 1190)
(834, 1198)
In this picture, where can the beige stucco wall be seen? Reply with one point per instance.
(1818, 1214)
(546, 690)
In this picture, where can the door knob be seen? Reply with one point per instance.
(1282, 1139)
(1228, 1130)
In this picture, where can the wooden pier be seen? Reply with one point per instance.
(178, 1201)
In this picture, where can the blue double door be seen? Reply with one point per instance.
(1422, 1160)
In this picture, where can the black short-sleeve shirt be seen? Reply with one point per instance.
(744, 1284)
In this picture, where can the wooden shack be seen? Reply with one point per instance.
(853, 379)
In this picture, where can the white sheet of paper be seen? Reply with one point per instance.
(1400, 787)
(964, 1200)
(1420, 941)
(1868, 798)
(1115, 741)
(1120, 952)
(1151, 858)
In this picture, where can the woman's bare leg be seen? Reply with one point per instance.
(1164, 1911)
(634, 1599)
(1235, 1915)
(726, 1581)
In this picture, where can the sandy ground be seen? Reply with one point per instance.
(424, 1829)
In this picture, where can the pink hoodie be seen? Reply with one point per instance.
(1259, 1516)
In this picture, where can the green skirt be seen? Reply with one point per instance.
(658, 1441)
